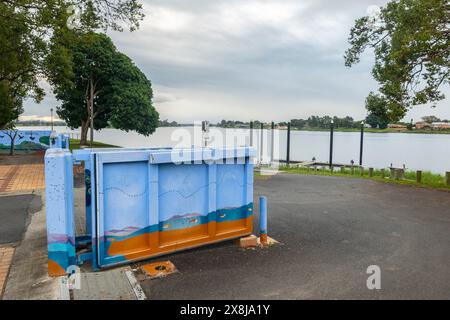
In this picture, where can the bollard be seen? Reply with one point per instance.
(447, 175)
(419, 176)
(371, 172)
(263, 220)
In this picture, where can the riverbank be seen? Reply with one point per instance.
(387, 130)
(371, 130)
(429, 180)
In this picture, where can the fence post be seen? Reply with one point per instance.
(331, 143)
(251, 133)
(262, 143)
(361, 170)
(361, 144)
(447, 175)
(419, 176)
(59, 211)
(371, 172)
(272, 148)
(288, 147)
(382, 173)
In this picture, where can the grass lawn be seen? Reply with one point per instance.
(75, 144)
(387, 130)
(429, 180)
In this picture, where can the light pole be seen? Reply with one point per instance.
(51, 117)
(361, 144)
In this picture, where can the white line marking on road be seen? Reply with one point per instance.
(140, 295)
(64, 293)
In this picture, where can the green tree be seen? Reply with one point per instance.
(377, 108)
(411, 42)
(26, 26)
(88, 73)
(431, 119)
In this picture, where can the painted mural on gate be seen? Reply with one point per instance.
(143, 209)
(183, 208)
(26, 139)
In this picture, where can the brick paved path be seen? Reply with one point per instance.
(21, 177)
(6, 254)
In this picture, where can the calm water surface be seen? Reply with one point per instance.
(417, 151)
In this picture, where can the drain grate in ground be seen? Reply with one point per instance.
(158, 269)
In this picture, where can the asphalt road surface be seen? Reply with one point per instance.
(331, 229)
(14, 211)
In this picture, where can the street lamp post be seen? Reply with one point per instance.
(361, 144)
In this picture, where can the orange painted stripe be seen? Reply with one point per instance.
(55, 269)
(156, 243)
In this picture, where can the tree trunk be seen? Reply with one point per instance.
(11, 148)
(84, 131)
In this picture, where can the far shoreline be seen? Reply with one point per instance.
(369, 130)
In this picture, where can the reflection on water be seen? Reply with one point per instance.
(417, 151)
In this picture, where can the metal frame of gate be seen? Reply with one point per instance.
(142, 203)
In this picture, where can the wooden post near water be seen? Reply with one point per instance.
(418, 176)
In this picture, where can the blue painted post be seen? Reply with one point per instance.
(263, 220)
(59, 205)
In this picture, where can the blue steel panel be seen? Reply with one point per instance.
(144, 207)
(125, 203)
(231, 186)
(183, 191)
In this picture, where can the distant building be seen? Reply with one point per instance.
(440, 126)
(397, 126)
(422, 125)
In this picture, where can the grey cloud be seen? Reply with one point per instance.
(225, 59)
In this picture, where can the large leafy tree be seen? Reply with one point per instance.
(90, 77)
(377, 109)
(411, 42)
(26, 26)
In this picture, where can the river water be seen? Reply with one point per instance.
(427, 152)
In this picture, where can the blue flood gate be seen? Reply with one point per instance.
(141, 203)
(59, 140)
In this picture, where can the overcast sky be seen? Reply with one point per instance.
(249, 59)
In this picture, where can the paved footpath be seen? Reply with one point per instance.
(6, 255)
(21, 184)
(21, 177)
